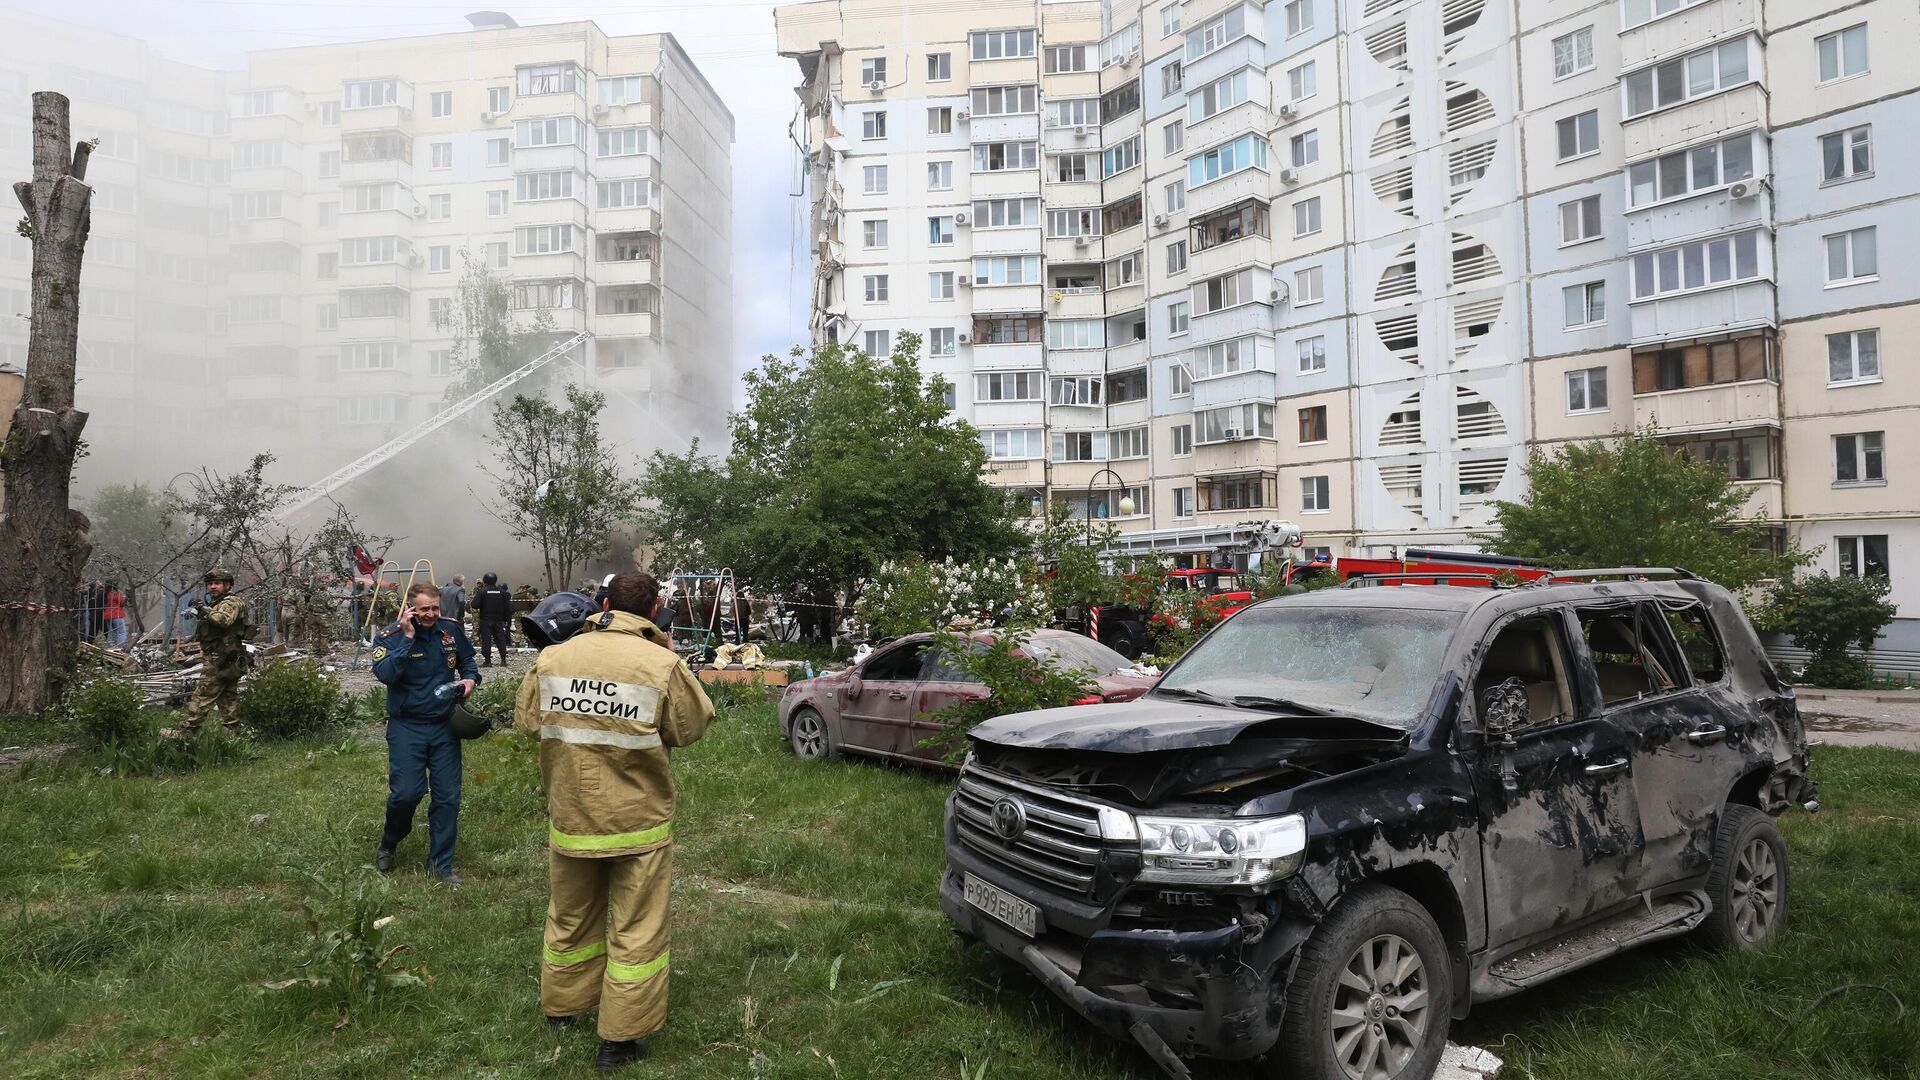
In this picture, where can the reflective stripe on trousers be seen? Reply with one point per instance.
(606, 941)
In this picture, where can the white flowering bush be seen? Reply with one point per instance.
(910, 596)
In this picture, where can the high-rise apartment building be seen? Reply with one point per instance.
(1350, 261)
(283, 252)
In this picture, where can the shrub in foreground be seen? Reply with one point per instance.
(286, 701)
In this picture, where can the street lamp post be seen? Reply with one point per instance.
(1126, 501)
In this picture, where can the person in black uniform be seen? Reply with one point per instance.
(427, 664)
(493, 608)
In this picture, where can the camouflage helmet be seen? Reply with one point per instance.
(218, 573)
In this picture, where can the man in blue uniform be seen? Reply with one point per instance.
(427, 664)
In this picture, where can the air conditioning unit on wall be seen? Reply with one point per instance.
(962, 218)
(874, 86)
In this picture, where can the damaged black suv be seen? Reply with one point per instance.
(1346, 816)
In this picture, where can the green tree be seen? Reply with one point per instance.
(1634, 502)
(1834, 618)
(489, 340)
(137, 537)
(558, 484)
(840, 461)
(1015, 682)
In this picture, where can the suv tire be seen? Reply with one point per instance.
(1749, 883)
(1375, 1036)
(810, 737)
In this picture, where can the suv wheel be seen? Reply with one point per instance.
(1749, 881)
(1372, 997)
(808, 734)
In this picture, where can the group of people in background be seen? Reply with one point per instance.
(100, 609)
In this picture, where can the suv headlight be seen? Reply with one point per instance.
(1220, 851)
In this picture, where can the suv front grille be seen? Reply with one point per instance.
(1060, 846)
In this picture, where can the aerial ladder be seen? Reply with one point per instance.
(392, 448)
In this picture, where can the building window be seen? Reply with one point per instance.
(1006, 270)
(1299, 16)
(1118, 159)
(1002, 44)
(940, 230)
(940, 285)
(551, 79)
(1573, 53)
(1312, 354)
(874, 179)
(1070, 168)
(618, 194)
(940, 120)
(499, 151)
(1307, 285)
(873, 125)
(877, 342)
(623, 90)
(439, 207)
(1586, 304)
(442, 102)
(876, 285)
(1580, 220)
(939, 67)
(440, 311)
(1684, 78)
(1173, 137)
(497, 255)
(1313, 424)
(1579, 135)
(1128, 269)
(1701, 264)
(1013, 445)
(1853, 356)
(1587, 390)
(1847, 154)
(1176, 257)
(1859, 458)
(327, 317)
(1170, 78)
(1306, 216)
(873, 69)
(1305, 149)
(1170, 20)
(439, 259)
(1005, 156)
(329, 113)
(371, 94)
(1303, 82)
(1182, 438)
(497, 99)
(1175, 196)
(873, 234)
(1689, 172)
(442, 155)
(1851, 257)
(940, 341)
(1843, 53)
(620, 142)
(1182, 496)
(1313, 495)
(1010, 386)
(1746, 359)
(440, 363)
(1245, 152)
(1862, 556)
(496, 203)
(327, 265)
(1178, 320)
(1217, 97)
(1068, 58)
(939, 176)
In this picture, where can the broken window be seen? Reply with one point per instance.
(1528, 654)
(1632, 657)
(1694, 632)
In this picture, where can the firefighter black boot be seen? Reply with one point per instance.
(619, 1055)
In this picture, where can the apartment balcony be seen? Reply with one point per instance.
(1072, 249)
(1128, 414)
(1006, 241)
(270, 178)
(278, 281)
(1702, 408)
(551, 212)
(626, 219)
(1127, 354)
(279, 332)
(624, 272)
(1004, 184)
(1238, 456)
(1076, 362)
(378, 328)
(1253, 384)
(642, 113)
(1076, 417)
(377, 118)
(1073, 139)
(574, 320)
(1023, 69)
(552, 264)
(1082, 303)
(1029, 473)
(1714, 311)
(625, 167)
(1019, 356)
(1196, 12)
(1024, 127)
(639, 325)
(386, 275)
(1221, 258)
(266, 126)
(1228, 190)
(549, 159)
(1127, 297)
(1246, 52)
(378, 171)
(1248, 116)
(262, 230)
(1764, 499)
(1074, 194)
(1695, 121)
(1120, 129)
(359, 223)
(1009, 414)
(1074, 476)
(1686, 30)
(1005, 299)
(1713, 214)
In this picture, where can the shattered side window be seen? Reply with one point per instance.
(1627, 661)
(1697, 642)
(899, 664)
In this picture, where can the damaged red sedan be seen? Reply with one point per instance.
(1345, 817)
(884, 704)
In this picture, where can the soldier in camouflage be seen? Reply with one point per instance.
(222, 631)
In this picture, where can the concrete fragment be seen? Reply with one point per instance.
(1467, 1063)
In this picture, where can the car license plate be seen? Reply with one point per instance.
(1002, 905)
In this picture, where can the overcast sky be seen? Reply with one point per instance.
(731, 40)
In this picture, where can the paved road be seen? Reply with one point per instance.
(1862, 717)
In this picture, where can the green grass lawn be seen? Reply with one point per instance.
(138, 918)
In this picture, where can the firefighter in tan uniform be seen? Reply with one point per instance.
(608, 704)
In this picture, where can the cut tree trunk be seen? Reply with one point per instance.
(44, 542)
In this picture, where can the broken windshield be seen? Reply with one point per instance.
(1374, 663)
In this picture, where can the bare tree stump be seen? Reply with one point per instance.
(44, 542)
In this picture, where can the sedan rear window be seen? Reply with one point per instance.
(1378, 664)
(1068, 651)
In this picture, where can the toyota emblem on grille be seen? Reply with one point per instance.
(1009, 818)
